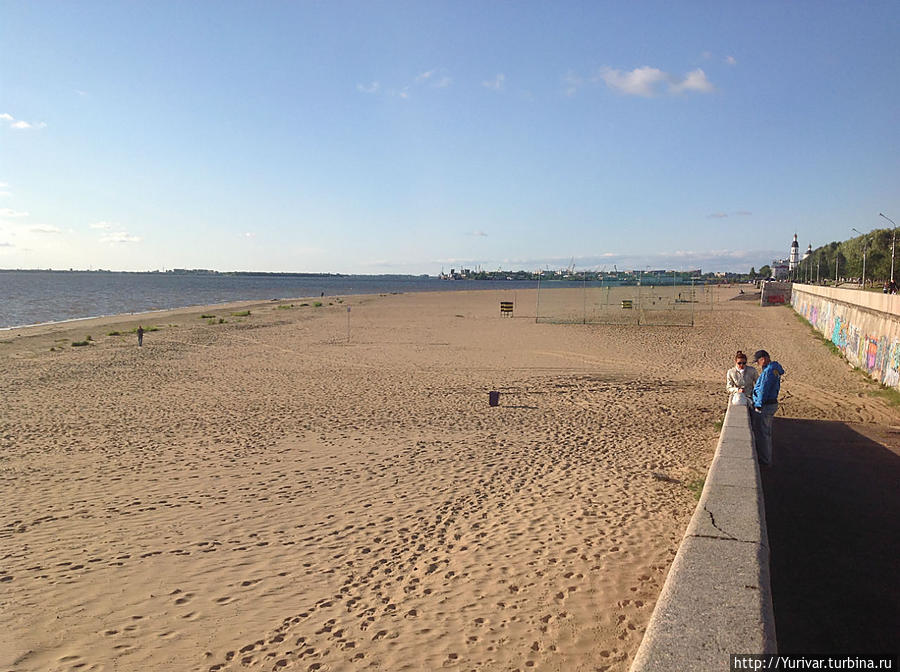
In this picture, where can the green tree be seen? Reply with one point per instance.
(765, 271)
(840, 268)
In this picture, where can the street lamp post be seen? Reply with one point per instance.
(893, 240)
(865, 245)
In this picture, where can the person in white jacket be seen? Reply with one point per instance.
(740, 379)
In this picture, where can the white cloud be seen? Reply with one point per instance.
(81, 93)
(25, 124)
(648, 82)
(706, 260)
(249, 234)
(572, 83)
(119, 237)
(496, 84)
(101, 225)
(638, 82)
(8, 213)
(46, 229)
(19, 124)
(717, 215)
(694, 81)
(478, 234)
(6, 245)
(434, 78)
(743, 213)
(453, 260)
(731, 60)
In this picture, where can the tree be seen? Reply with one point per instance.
(752, 273)
(849, 254)
(765, 271)
(840, 261)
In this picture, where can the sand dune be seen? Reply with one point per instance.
(265, 494)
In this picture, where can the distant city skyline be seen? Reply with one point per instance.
(354, 137)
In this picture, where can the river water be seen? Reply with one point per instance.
(32, 297)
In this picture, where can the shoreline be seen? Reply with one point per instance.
(47, 300)
(42, 328)
(149, 312)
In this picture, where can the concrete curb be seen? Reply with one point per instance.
(717, 598)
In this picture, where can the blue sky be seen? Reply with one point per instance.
(403, 137)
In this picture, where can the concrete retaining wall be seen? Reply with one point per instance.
(717, 597)
(864, 325)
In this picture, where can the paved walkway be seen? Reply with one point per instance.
(833, 517)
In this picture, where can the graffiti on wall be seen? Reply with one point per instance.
(775, 293)
(891, 375)
(839, 333)
(877, 353)
(871, 353)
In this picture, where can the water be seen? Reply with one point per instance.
(53, 296)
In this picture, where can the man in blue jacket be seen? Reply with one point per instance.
(765, 403)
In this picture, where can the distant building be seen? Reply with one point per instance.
(808, 253)
(781, 269)
(794, 258)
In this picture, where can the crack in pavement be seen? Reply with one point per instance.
(727, 536)
(712, 519)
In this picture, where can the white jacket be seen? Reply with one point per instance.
(735, 379)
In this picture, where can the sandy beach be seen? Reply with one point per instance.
(315, 489)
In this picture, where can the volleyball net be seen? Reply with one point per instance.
(651, 300)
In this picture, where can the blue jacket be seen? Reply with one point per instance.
(767, 385)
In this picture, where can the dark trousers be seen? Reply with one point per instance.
(763, 418)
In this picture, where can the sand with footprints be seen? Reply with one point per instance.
(265, 494)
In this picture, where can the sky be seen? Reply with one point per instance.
(411, 137)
